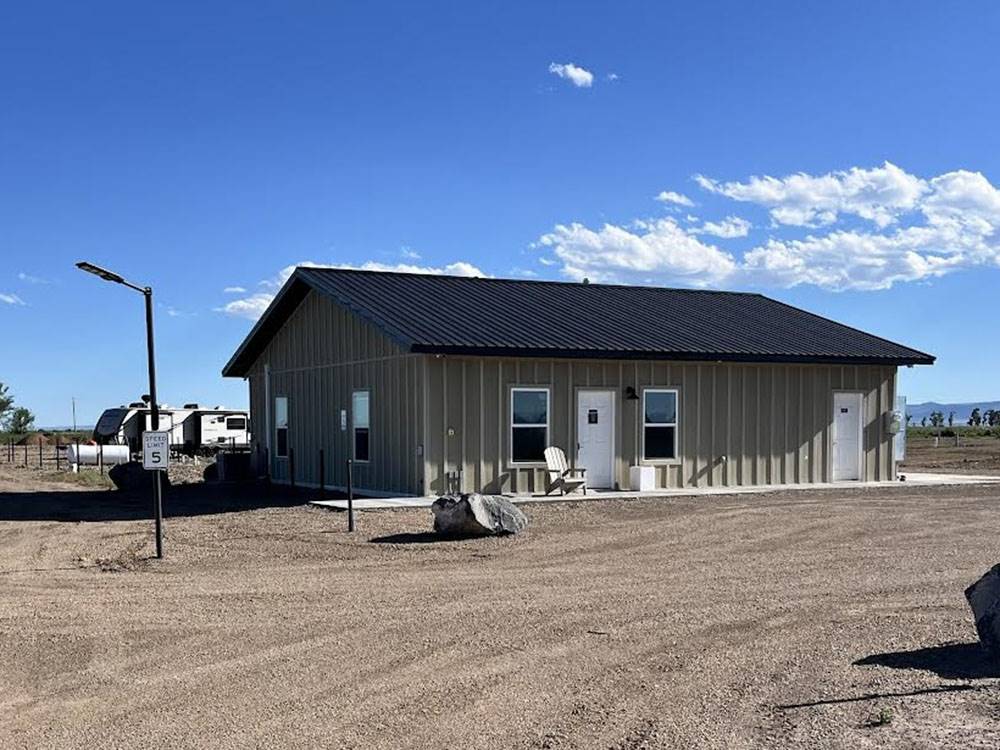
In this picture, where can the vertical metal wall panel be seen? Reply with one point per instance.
(770, 422)
(317, 359)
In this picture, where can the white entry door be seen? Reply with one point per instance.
(596, 437)
(846, 436)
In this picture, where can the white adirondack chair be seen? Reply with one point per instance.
(561, 476)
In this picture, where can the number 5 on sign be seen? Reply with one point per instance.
(155, 450)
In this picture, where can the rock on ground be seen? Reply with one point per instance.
(477, 515)
(131, 476)
(984, 599)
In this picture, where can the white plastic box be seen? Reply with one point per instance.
(642, 478)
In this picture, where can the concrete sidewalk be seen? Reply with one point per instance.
(912, 479)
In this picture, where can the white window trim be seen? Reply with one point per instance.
(643, 424)
(511, 427)
(354, 442)
(288, 433)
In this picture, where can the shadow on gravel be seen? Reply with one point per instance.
(417, 537)
(882, 696)
(952, 661)
(112, 505)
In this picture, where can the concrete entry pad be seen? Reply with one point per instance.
(913, 479)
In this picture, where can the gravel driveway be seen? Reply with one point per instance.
(778, 620)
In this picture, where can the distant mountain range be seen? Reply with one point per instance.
(962, 411)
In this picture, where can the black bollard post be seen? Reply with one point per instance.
(350, 495)
(291, 466)
(322, 477)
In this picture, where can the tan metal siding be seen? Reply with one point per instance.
(318, 359)
(740, 424)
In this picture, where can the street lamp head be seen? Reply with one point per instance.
(102, 272)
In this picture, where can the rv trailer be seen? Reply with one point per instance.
(192, 429)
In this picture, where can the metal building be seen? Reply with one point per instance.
(436, 383)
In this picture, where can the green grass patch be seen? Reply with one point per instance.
(90, 478)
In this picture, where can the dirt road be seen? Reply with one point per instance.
(783, 620)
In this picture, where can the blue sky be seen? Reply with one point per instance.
(204, 147)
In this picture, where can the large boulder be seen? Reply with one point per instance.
(477, 515)
(984, 598)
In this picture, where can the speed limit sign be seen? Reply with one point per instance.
(155, 450)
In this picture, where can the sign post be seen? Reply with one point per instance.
(156, 458)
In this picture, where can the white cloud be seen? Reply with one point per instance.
(879, 195)
(579, 77)
(613, 77)
(669, 196)
(27, 278)
(234, 290)
(728, 228)
(409, 253)
(10, 299)
(253, 306)
(918, 229)
(650, 250)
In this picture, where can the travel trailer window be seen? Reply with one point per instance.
(529, 424)
(361, 421)
(236, 423)
(659, 426)
(281, 427)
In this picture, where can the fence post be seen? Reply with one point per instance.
(76, 464)
(322, 475)
(100, 458)
(350, 495)
(25, 455)
(39, 452)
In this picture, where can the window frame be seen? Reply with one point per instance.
(354, 426)
(278, 428)
(676, 424)
(511, 426)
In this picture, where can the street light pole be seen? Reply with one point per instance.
(154, 416)
(154, 413)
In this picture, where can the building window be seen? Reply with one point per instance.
(529, 424)
(659, 424)
(281, 427)
(361, 420)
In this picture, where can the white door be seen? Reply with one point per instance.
(846, 436)
(596, 437)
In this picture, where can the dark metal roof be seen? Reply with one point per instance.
(504, 317)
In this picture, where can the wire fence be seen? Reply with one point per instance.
(42, 455)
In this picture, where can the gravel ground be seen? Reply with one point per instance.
(777, 620)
